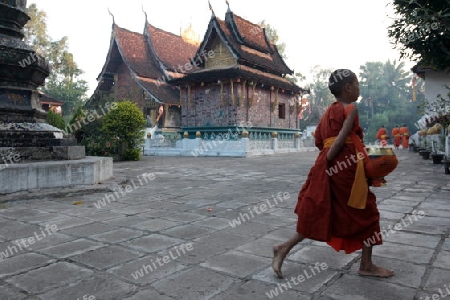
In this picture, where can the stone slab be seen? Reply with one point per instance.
(443, 261)
(413, 239)
(105, 257)
(362, 288)
(187, 231)
(258, 290)
(310, 254)
(152, 243)
(71, 248)
(236, 263)
(407, 274)
(406, 253)
(146, 270)
(298, 277)
(117, 235)
(21, 263)
(185, 285)
(46, 278)
(438, 279)
(102, 286)
(148, 294)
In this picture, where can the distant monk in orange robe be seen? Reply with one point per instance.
(404, 132)
(397, 136)
(382, 135)
(334, 182)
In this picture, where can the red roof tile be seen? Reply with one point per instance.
(163, 91)
(252, 34)
(171, 49)
(272, 61)
(136, 54)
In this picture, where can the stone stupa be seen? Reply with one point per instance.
(24, 135)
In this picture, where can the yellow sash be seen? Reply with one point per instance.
(358, 195)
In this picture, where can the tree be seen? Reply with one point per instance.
(272, 36)
(35, 30)
(421, 31)
(320, 96)
(126, 123)
(386, 97)
(56, 120)
(63, 83)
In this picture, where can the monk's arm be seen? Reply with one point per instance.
(342, 136)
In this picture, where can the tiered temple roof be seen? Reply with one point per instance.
(157, 59)
(255, 57)
(152, 59)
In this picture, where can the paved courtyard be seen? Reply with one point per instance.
(203, 228)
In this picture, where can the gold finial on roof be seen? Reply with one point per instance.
(190, 36)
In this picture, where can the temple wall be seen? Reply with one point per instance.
(126, 87)
(206, 108)
(172, 116)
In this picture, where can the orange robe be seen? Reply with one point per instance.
(382, 134)
(397, 136)
(404, 132)
(322, 209)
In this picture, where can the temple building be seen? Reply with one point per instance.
(138, 67)
(234, 76)
(239, 78)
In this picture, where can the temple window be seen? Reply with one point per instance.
(282, 111)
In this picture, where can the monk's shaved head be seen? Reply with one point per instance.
(338, 79)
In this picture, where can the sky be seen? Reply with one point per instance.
(326, 33)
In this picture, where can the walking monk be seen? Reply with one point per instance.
(397, 136)
(404, 132)
(327, 201)
(382, 135)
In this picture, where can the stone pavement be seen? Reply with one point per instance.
(173, 232)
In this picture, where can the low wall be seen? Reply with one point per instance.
(48, 174)
(243, 147)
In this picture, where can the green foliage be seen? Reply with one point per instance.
(63, 83)
(126, 124)
(421, 31)
(56, 120)
(79, 114)
(320, 96)
(378, 120)
(131, 154)
(296, 77)
(97, 144)
(272, 36)
(386, 97)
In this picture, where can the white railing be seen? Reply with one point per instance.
(220, 146)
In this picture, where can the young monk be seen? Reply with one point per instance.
(404, 132)
(326, 203)
(397, 137)
(382, 135)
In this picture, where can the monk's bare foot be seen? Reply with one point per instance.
(376, 271)
(277, 262)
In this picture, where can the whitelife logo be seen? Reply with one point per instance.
(146, 177)
(23, 244)
(243, 217)
(161, 261)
